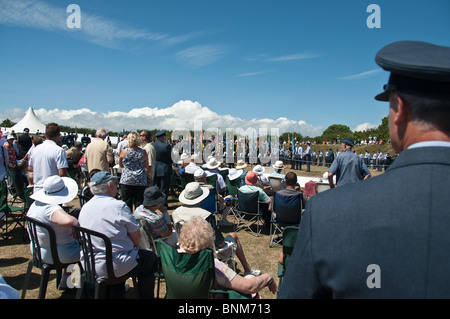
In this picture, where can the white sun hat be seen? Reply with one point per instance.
(234, 173)
(212, 163)
(258, 169)
(56, 190)
(193, 194)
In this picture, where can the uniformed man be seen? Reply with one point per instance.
(396, 248)
(163, 166)
(348, 167)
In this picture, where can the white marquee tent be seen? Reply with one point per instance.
(31, 121)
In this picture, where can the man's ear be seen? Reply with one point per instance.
(401, 113)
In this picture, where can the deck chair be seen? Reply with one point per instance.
(276, 183)
(248, 212)
(102, 285)
(37, 261)
(286, 211)
(290, 237)
(191, 276)
(13, 216)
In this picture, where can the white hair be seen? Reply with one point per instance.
(97, 188)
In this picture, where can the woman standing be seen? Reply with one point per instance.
(134, 163)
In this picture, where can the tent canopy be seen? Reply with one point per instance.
(31, 121)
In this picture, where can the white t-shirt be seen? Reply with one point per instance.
(46, 159)
(43, 213)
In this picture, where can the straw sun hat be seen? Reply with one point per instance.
(240, 164)
(278, 165)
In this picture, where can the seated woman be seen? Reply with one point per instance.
(197, 234)
(46, 209)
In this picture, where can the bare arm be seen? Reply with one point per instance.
(135, 237)
(251, 285)
(121, 157)
(60, 217)
(330, 180)
(62, 172)
(145, 156)
(109, 156)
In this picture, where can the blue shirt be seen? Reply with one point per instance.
(348, 168)
(113, 218)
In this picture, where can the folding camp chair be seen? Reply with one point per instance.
(248, 206)
(290, 237)
(232, 185)
(212, 180)
(276, 183)
(322, 186)
(15, 184)
(286, 211)
(12, 216)
(186, 178)
(187, 276)
(190, 276)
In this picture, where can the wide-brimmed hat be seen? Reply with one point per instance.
(212, 163)
(251, 178)
(278, 165)
(153, 196)
(56, 190)
(234, 173)
(240, 164)
(185, 158)
(193, 194)
(258, 169)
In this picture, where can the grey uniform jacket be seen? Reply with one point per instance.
(386, 237)
(163, 166)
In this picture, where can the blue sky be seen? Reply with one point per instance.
(297, 65)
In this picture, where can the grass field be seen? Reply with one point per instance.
(15, 254)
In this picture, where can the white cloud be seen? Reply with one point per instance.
(201, 55)
(94, 28)
(362, 75)
(365, 126)
(249, 74)
(292, 57)
(181, 115)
